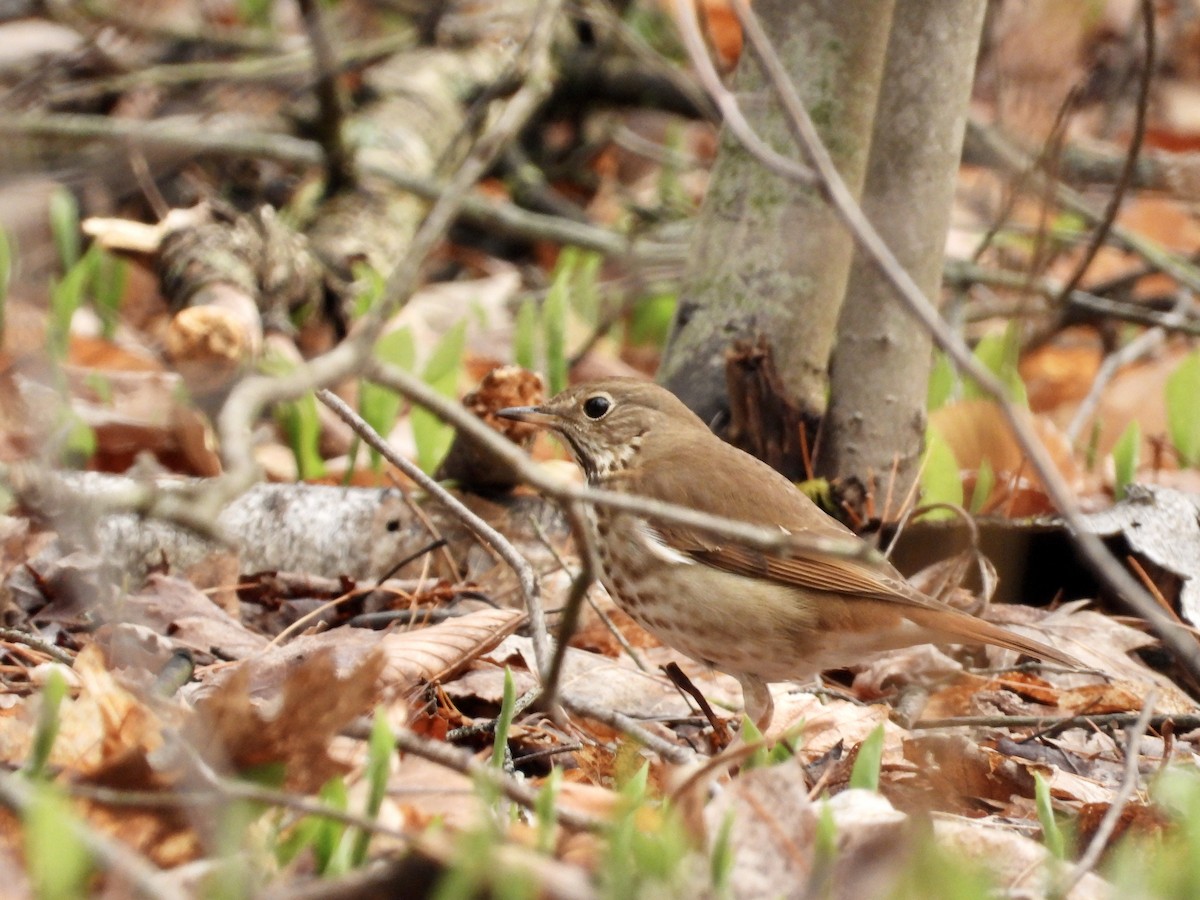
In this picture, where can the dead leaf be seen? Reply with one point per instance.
(235, 730)
(959, 772)
(173, 606)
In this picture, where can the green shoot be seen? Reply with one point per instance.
(646, 845)
(56, 859)
(66, 296)
(985, 480)
(504, 721)
(1000, 353)
(48, 723)
(78, 439)
(525, 336)
(108, 286)
(475, 873)
(752, 736)
(431, 435)
(302, 426)
(330, 835)
(869, 761)
(1052, 835)
(544, 808)
(1183, 409)
(64, 225)
(722, 858)
(554, 321)
(943, 382)
(540, 332)
(825, 846)
(380, 748)
(940, 478)
(650, 320)
(380, 406)
(1164, 864)
(936, 872)
(320, 835)
(1125, 458)
(371, 285)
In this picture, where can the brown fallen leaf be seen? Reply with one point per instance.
(407, 659)
(235, 731)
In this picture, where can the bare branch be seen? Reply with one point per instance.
(1129, 781)
(1129, 169)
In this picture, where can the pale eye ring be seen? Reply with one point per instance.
(597, 406)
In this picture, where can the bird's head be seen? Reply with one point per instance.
(605, 423)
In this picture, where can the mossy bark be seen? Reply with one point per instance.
(769, 259)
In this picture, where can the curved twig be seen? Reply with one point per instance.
(1100, 235)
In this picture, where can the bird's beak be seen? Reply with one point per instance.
(534, 415)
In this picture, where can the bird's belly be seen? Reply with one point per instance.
(734, 623)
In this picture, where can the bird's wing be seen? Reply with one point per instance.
(860, 581)
(853, 578)
(762, 496)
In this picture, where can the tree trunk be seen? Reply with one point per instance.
(769, 259)
(880, 367)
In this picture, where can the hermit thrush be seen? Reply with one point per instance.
(758, 616)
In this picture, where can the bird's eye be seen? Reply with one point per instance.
(596, 407)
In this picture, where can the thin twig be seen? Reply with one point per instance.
(488, 726)
(604, 617)
(461, 761)
(251, 396)
(589, 566)
(339, 170)
(672, 753)
(1141, 345)
(1100, 235)
(527, 578)
(17, 636)
(241, 140)
(255, 68)
(731, 111)
(1182, 723)
(1106, 567)
(962, 275)
(1129, 780)
(1010, 157)
(221, 791)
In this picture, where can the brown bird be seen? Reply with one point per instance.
(758, 616)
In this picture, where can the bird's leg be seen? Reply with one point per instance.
(756, 698)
